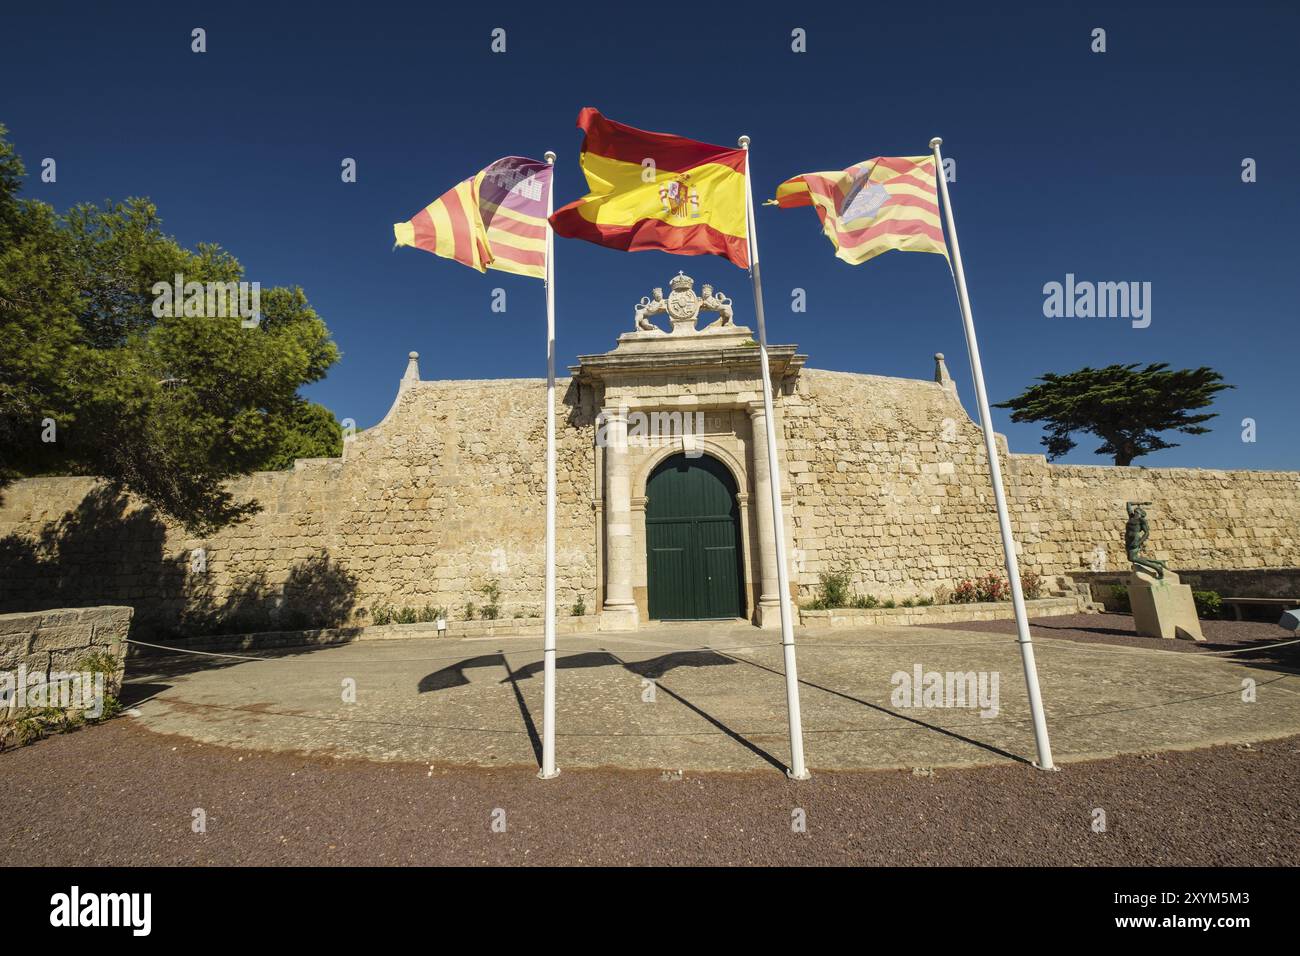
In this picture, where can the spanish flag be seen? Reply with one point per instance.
(657, 191)
(889, 202)
(493, 220)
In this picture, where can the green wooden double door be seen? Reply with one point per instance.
(693, 557)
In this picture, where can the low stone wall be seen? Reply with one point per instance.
(1261, 582)
(935, 613)
(59, 641)
(332, 636)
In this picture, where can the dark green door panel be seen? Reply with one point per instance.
(669, 568)
(721, 567)
(693, 558)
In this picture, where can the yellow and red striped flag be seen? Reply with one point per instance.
(657, 191)
(889, 202)
(493, 220)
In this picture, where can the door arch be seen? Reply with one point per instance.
(694, 567)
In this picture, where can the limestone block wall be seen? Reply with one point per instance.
(58, 641)
(890, 482)
(884, 477)
(450, 491)
(447, 493)
(1071, 518)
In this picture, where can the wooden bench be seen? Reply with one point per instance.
(1282, 604)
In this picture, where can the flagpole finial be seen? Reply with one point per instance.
(743, 142)
(937, 141)
(549, 157)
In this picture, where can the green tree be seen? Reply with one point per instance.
(167, 406)
(1124, 405)
(313, 432)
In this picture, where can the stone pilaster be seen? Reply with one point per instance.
(768, 612)
(619, 612)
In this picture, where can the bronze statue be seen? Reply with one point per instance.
(1136, 533)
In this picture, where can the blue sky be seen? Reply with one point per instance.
(1121, 166)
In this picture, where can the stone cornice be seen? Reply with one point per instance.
(618, 367)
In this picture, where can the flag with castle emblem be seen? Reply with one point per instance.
(657, 191)
(496, 219)
(889, 202)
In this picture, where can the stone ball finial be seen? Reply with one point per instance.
(412, 367)
(941, 372)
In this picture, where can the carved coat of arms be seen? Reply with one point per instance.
(683, 306)
(683, 303)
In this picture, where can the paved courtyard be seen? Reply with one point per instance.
(708, 697)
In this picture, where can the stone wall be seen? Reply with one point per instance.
(1251, 582)
(935, 613)
(885, 478)
(59, 641)
(890, 482)
(1070, 518)
(444, 495)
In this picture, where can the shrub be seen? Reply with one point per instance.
(888, 602)
(470, 609)
(492, 593)
(1119, 593)
(579, 607)
(102, 662)
(992, 587)
(908, 602)
(112, 707)
(30, 724)
(1031, 584)
(924, 602)
(864, 602)
(383, 614)
(406, 615)
(33, 723)
(964, 592)
(1208, 604)
(835, 589)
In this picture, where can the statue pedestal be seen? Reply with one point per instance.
(1162, 607)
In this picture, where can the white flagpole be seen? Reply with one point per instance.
(797, 769)
(548, 646)
(995, 474)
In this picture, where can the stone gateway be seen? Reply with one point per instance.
(662, 485)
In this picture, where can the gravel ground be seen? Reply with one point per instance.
(1113, 628)
(119, 794)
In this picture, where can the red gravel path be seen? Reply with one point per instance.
(118, 794)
